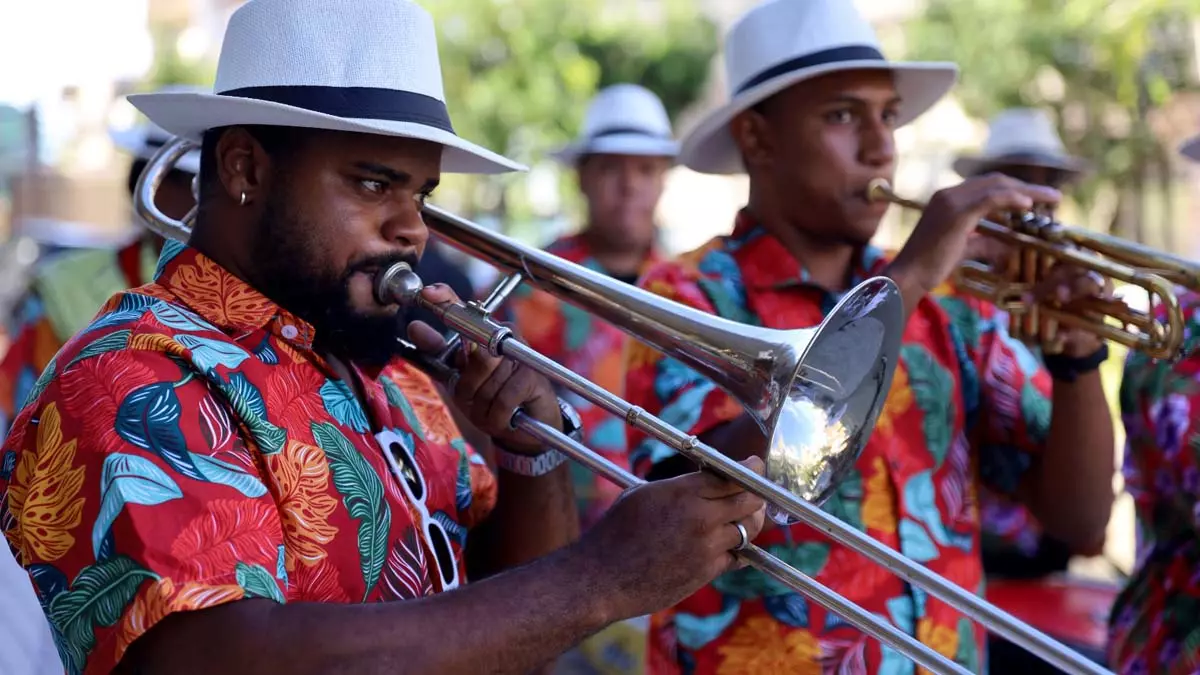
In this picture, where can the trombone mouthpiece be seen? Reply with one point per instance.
(398, 284)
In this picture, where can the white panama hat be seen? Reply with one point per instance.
(145, 139)
(782, 42)
(623, 119)
(367, 66)
(1021, 136)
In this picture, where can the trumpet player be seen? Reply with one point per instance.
(1153, 624)
(811, 115)
(229, 470)
(66, 288)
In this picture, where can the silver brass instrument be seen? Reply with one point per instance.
(815, 393)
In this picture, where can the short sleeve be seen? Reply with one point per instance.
(1006, 391)
(131, 497)
(664, 386)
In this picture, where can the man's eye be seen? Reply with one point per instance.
(840, 116)
(376, 186)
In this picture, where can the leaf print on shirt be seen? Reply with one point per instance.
(760, 645)
(208, 353)
(807, 557)
(933, 388)
(406, 574)
(362, 493)
(257, 582)
(397, 399)
(317, 583)
(898, 401)
(292, 395)
(97, 597)
(109, 343)
(215, 293)
(247, 402)
(162, 598)
(341, 403)
(1035, 410)
(96, 389)
(128, 479)
(305, 506)
(45, 494)
(230, 531)
(879, 503)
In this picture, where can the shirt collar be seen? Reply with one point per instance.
(223, 299)
(766, 263)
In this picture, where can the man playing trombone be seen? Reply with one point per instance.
(811, 118)
(221, 471)
(1154, 624)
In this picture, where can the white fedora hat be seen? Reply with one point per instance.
(367, 66)
(782, 42)
(1191, 149)
(1024, 137)
(623, 119)
(145, 139)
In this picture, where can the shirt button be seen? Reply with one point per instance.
(290, 332)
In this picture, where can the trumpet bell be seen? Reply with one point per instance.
(834, 394)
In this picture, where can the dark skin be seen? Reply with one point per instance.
(622, 194)
(361, 196)
(842, 126)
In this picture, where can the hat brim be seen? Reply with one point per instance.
(189, 115)
(973, 165)
(1191, 149)
(133, 142)
(709, 147)
(617, 144)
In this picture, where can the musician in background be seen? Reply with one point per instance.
(223, 469)
(1154, 626)
(69, 285)
(1021, 143)
(621, 158)
(811, 119)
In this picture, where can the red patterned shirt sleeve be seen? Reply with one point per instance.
(666, 387)
(1005, 388)
(132, 497)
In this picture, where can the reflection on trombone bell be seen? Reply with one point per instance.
(815, 393)
(1039, 242)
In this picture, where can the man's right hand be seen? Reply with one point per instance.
(662, 541)
(938, 244)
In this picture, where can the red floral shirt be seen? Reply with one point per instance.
(1155, 622)
(189, 448)
(590, 347)
(967, 402)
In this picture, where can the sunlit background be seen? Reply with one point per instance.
(1120, 77)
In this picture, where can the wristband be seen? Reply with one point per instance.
(1067, 368)
(526, 465)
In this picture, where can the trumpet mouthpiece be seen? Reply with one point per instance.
(878, 190)
(398, 285)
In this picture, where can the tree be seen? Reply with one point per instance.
(519, 73)
(1103, 68)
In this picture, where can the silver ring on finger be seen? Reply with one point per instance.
(744, 535)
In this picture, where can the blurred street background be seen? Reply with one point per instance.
(1121, 78)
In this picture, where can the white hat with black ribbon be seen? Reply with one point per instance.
(366, 66)
(622, 119)
(145, 139)
(1022, 137)
(780, 43)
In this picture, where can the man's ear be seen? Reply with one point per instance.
(752, 134)
(242, 165)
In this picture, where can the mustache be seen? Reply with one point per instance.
(379, 263)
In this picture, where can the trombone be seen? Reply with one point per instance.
(811, 391)
(1041, 242)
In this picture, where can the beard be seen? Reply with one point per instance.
(293, 277)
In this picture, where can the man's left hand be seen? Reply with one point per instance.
(490, 390)
(1067, 286)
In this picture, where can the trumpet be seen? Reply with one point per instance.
(1041, 242)
(815, 393)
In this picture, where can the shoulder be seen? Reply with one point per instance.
(689, 278)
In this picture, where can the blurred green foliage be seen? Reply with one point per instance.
(1100, 66)
(170, 67)
(519, 74)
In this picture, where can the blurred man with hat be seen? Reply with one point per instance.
(811, 114)
(1153, 626)
(80, 266)
(231, 469)
(621, 157)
